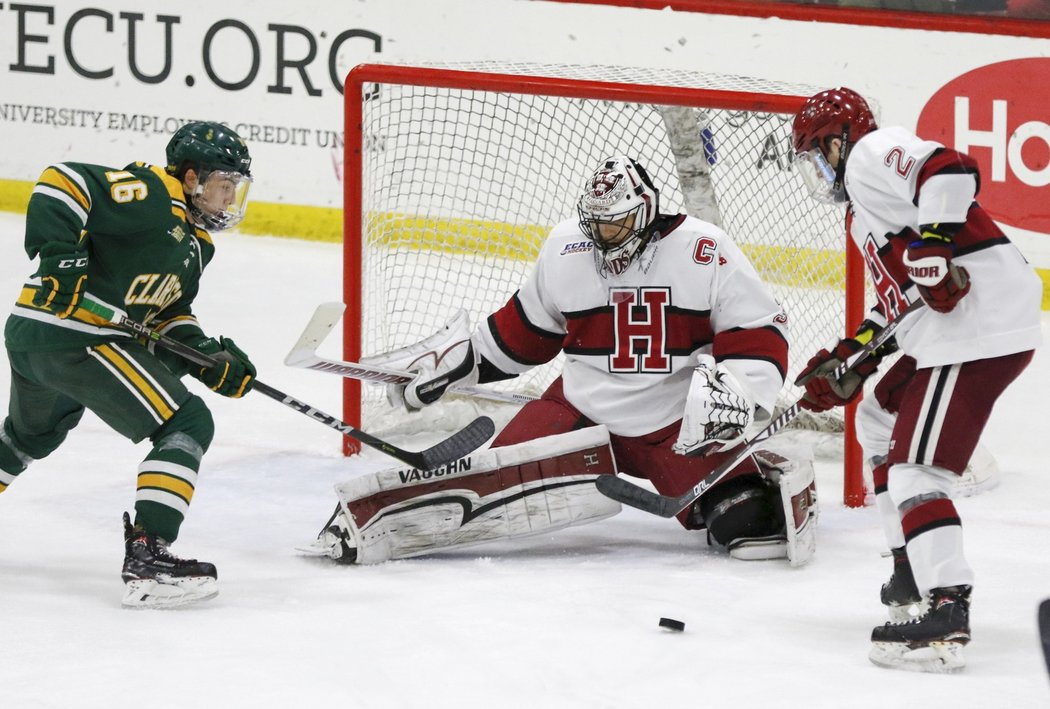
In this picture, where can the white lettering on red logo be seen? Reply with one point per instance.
(997, 114)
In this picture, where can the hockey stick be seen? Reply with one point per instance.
(456, 446)
(630, 494)
(1044, 630)
(304, 355)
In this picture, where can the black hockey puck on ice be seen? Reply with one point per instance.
(672, 624)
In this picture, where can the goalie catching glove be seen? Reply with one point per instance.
(718, 411)
(443, 360)
(824, 392)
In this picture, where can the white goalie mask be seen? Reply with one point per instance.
(618, 205)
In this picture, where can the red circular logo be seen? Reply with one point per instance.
(998, 114)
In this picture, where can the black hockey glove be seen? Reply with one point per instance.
(234, 375)
(63, 270)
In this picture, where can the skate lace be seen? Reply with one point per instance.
(161, 551)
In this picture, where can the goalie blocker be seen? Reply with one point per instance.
(517, 491)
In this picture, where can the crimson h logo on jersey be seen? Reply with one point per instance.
(640, 325)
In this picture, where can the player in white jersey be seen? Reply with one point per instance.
(915, 219)
(637, 300)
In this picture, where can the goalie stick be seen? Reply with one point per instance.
(456, 446)
(665, 506)
(304, 355)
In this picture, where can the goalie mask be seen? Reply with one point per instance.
(618, 205)
(836, 113)
(217, 191)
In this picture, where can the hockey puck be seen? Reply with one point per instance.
(672, 624)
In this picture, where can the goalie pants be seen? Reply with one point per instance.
(649, 456)
(134, 393)
(919, 430)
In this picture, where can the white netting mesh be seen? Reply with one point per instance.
(461, 186)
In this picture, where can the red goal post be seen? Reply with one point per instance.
(452, 176)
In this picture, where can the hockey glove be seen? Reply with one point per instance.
(63, 270)
(823, 392)
(234, 375)
(941, 283)
(430, 384)
(718, 410)
(441, 360)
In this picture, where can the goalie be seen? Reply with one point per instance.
(674, 349)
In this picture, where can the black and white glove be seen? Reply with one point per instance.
(443, 360)
(432, 383)
(718, 411)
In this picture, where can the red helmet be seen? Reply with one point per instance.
(824, 115)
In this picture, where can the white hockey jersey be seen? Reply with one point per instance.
(897, 182)
(631, 340)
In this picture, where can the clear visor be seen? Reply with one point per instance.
(819, 177)
(221, 198)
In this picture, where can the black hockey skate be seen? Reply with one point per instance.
(156, 578)
(931, 643)
(900, 595)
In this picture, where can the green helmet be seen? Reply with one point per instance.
(203, 146)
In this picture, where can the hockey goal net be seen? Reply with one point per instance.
(454, 175)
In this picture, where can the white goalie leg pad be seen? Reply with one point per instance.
(502, 493)
(798, 496)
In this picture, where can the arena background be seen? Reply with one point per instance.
(105, 82)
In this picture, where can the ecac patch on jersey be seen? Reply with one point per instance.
(576, 247)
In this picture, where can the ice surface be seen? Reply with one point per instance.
(568, 620)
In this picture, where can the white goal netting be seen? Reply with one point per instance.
(459, 187)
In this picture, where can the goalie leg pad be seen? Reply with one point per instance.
(798, 496)
(772, 516)
(502, 493)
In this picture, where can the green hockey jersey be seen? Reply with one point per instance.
(145, 256)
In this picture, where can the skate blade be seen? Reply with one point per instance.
(937, 657)
(149, 593)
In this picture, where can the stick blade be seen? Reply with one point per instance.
(461, 443)
(1044, 630)
(630, 494)
(322, 322)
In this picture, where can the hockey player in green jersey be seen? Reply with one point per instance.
(134, 239)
